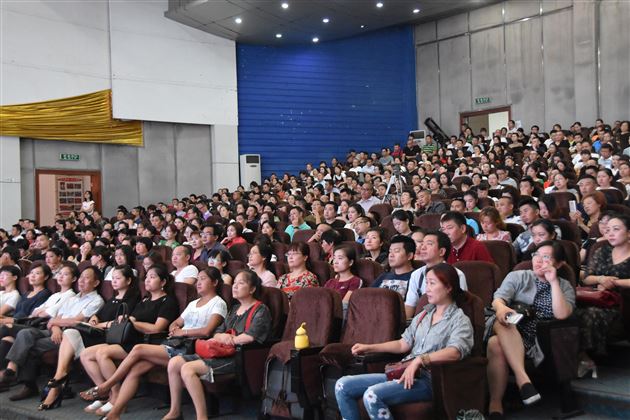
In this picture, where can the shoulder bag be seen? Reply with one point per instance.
(212, 349)
(121, 331)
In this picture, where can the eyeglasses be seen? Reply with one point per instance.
(544, 257)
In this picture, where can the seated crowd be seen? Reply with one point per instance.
(556, 204)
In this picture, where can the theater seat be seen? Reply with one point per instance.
(456, 385)
(347, 234)
(279, 249)
(250, 359)
(429, 222)
(322, 270)
(240, 251)
(515, 229)
(302, 235)
(503, 254)
(234, 266)
(383, 209)
(368, 271)
(388, 227)
(366, 308)
(482, 278)
(570, 231)
(296, 372)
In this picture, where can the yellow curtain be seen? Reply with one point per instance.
(84, 118)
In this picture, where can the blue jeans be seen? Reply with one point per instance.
(378, 393)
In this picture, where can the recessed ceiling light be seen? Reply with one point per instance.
(416, 11)
(362, 26)
(325, 20)
(285, 5)
(278, 35)
(379, 4)
(238, 20)
(315, 40)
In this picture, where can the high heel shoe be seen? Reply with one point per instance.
(585, 367)
(59, 385)
(52, 383)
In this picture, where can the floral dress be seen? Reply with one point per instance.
(595, 323)
(290, 284)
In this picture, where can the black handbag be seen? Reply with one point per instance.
(38, 322)
(88, 331)
(186, 343)
(524, 309)
(121, 331)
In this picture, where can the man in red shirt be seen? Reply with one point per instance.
(463, 247)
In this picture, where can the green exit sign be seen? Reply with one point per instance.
(484, 100)
(69, 156)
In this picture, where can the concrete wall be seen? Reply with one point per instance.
(175, 162)
(158, 70)
(552, 61)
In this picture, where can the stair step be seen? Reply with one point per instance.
(608, 395)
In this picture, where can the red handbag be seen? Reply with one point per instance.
(212, 349)
(395, 370)
(588, 296)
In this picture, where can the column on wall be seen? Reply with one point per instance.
(225, 170)
(10, 181)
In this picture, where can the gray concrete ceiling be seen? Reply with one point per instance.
(302, 20)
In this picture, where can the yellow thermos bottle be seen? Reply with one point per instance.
(301, 339)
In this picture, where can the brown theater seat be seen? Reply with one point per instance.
(296, 372)
(503, 254)
(482, 278)
(337, 359)
(240, 251)
(368, 271)
(303, 235)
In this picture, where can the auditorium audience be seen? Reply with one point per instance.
(472, 173)
(200, 319)
(188, 370)
(440, 333)
(546, 296)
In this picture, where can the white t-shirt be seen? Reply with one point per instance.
(9, 298)
(55, 301)
(195, 317)
(419, 274)
(188, 271)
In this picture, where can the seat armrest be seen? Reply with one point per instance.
(458, 384)
(305, 378)
(559, 341)
(378, 358)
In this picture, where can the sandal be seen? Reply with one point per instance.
(94, 406)
(93, 394)
(106, 408)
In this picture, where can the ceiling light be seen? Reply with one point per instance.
(416, 11)
(238, 20)
(325, 20)
(278, 36)
(362, 26)
(379, 4)
(315, 40)
(285, 5)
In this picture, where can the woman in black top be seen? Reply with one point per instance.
(189, 370)
(37, 278)
(150, 318)
(73, 343)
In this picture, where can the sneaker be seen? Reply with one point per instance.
(529, 395)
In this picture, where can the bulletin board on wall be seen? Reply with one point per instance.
(69, 193)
